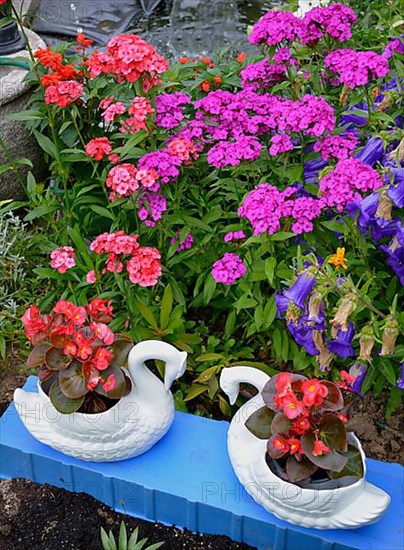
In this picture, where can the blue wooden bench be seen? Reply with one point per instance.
(187, 480)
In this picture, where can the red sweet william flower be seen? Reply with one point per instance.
(144, 268)
(320, 448)
(97, 148)
(241, 57)
(280, 444)
(313, 392)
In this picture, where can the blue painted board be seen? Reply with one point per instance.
(187, 480)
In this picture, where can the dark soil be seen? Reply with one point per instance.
(42, 517)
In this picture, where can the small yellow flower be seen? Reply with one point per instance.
(338, 259)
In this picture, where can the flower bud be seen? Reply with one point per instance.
(316, 307)
(366, 343)
(325, 357)
(343, 98)
(390, 333)
(386, 103)
(346, 306)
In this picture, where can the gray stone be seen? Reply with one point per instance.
(14, 98)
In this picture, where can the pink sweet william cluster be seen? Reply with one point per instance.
(228, 269)
(129, 58)
(234, 236)
(280, 143)
(346, 182)
(151, 206)
(232, 153)
(143, 265)
(63, 93)
(98, 148)
(337, 147)
(63, 258)
(276, 27)
(125, 179)
(355, 68)
(139, 111)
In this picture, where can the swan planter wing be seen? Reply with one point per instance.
(131, 427)
(344, 507)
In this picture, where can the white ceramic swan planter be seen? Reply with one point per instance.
(128, 429)
(345, 508)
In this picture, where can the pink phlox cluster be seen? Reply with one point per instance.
(228, 269)
(151, 206)
(337, 147)
(232, 153)
(263, 74)
(186, 243)
(139, 110)
(265, 206)
(166, 165)
(304, 211)
(394, 45)
(335, 20)
(275, 27)
(281, 143)
(346, 182)
(128, 57)
(355, 68)
(144, 268)
(63, 258)
(64, 93)
(234, 236)
(97, 148)
(169, 108)
(182, 148)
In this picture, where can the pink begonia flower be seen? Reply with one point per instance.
(103, 333)
(109, 384)
(63, 258)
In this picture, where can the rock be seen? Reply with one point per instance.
(14, 98)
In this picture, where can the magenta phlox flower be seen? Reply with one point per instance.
(355, 68)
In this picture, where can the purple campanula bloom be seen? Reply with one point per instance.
(383, 228)
(312, 169)
(359, 371)
(341, 345)
(400, 381)
(367, 209)
(300, 290)
(281, 303)
(396, 194)
(303, 334)
(372, 152)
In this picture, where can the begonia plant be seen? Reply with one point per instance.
(305, 423)
(77, 355)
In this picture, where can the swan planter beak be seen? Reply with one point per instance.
(131, 427)
(345, 507)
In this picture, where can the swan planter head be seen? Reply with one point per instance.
(89, 405)
(292, 452)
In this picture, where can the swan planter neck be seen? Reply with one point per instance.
(344, 501)
(131, 427)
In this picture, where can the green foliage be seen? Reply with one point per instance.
(109, 543)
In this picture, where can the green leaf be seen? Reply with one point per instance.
(46, 144)
(63, 404)
(259, 423)
(270, 264)
(281, 236)
(194, 391)
(55, 359)
(333, 433)
(30, 114)
(120, 350)
(394, 401)
(37, 356)
(166, 307)
(81, 247)
(39, 212)
(104, 212)
(120, 378)
(105, 540)
(210, 357)
(123, 537)
(147, 314)
(209, 289)
(386, 368)
(334, 399)
(280, 424)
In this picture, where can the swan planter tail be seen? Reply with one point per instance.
(130, 428)
(346, 507)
